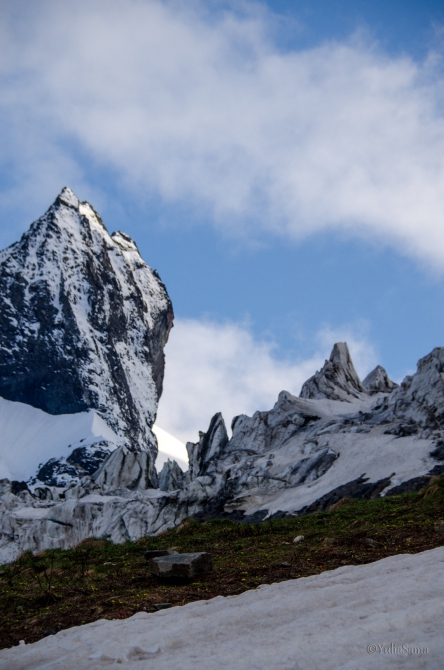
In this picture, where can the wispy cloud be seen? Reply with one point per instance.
(204, 109)
(220, 367)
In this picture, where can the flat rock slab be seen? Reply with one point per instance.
(180, 566)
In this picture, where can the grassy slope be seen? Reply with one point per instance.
(43, 594)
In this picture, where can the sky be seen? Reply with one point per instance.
(280, 163)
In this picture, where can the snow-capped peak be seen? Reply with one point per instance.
(68, 197)
(84, 322)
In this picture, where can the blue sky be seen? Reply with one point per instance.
(400, 26)
(281, 164)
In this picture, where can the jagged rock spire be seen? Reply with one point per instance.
(378, 381)
(171, 476)
(337, 380)
(211, 445)
(133, 470)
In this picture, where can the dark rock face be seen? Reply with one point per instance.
(403, 429)
(338, 379)
(414, 484)
(18, 487)
(57, 472)
(84, 322)
(87, 458)
(359, 488)
(82, 461)
(438, 452)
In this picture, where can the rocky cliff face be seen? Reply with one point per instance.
(84, 322)
(420, 397)
(357, 440)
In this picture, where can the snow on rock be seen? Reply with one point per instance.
(85, 511)
(169, 448)
(32, 438)
(284, 460)
(84, 323)
(386, 614)
(37, 447)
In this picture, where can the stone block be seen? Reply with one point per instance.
(180, 566)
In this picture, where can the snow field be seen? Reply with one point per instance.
(30, 437)
(386, 614)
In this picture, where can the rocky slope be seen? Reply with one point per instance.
(84, 322)
(341, 438)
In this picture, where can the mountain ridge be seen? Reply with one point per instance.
(303, 455)
(91, 318)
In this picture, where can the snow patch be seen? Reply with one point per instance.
(353, 617)
(170, 447)
(30, 437)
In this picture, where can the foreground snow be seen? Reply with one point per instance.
(387, 614)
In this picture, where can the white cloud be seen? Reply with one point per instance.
(220, 367)
(205, 109)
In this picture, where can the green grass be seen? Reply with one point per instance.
(57, 589)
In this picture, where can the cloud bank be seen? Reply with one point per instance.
(203, 109)
(220, 367)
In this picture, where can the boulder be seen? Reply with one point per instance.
(181, 566)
